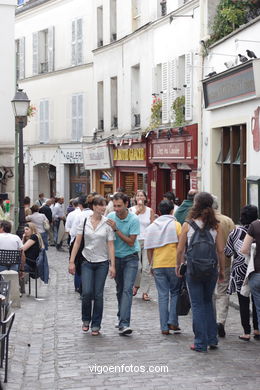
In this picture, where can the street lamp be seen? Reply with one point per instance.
(20, 105)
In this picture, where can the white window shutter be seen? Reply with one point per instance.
(22, 58)
(188, 89)
(35, 54)
(74, 117)
(46, 121)
(80, 117)
(41, 121)
(79, 42)
(73, 42)
(165, 97)
(154, 80)
(51, 49)
(173, 84)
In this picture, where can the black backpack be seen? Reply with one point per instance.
(201, 255)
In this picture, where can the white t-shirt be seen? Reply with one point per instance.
(9, 241)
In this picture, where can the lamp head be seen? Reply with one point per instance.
(20, 104)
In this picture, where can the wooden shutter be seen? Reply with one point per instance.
(21, 58)
(35, 53)
(188, 89)
(74, 117)
(165, 99)
(79, 42)
(173, 82)
(80, 117)
(51, 49)
(73, 42)
(41, 119)
(46, 121)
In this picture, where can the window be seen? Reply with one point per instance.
(135, 97)
(100, 26)
(77, 117)
(232, 164)
(136, 14)
(113, 21)
(100, 93)
(19, 49)
(43, 51)
(77, 42)
(114, 107)
(44, 121)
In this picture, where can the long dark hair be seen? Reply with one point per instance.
(202, 209)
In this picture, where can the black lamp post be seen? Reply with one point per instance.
(20, 105)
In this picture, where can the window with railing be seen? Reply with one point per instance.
(43, 51)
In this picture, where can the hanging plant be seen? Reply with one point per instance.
(178, 107)
(31, 111)
(156, 114)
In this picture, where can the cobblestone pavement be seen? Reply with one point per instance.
(49, 351)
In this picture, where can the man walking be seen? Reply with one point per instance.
(126, 227)
(58, 216)
(183, 210)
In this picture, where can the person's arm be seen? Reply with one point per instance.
(74, 252)
(28, 244)
(220, 251)
(181, 247)
(152, 217)
(130, 240)
(111, 252)
(245, 249)
(150, 256)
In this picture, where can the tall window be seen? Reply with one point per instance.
(135, 97)
(100, 26)
(76, 42)
(100, 93)
(19, 50)
(43, 51)
(232, 163)
(136, 14)
(113, 21)
(114, 107)
(77, 117)
(44, 121)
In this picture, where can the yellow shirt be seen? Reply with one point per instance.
(165, 256)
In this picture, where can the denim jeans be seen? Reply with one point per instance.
(45, 239)
(13, 267)
(93, 277)
(126, 270)
(203, 316)
(168, 287)
(56, 225)
(254, 284)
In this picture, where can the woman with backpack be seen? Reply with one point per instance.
(205, 265)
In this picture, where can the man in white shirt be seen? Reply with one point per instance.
(58, 215)
(9, 241)
(70, 218)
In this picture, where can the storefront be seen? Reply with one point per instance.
(173, 156)
(131, 168)
(97, 159)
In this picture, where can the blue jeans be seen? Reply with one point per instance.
(56, 225)
(254, 284)
(93, 277)
(13, 267)
(126, 270)
(203, 315)
(168, 287)
(45, 239)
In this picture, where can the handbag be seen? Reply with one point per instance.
(79, 258)
(46, 225)
(183, 302)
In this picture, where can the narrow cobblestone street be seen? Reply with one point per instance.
(49, 351)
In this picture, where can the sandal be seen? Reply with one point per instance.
(244, 338)
(95, 332)
(85, 327)
(135, 290)
(146, 297)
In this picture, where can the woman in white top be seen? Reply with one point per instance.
(41, 222)
(146, 216)
(201, 289)
(98, 250)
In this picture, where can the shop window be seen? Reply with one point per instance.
(113, 21)
(232, 162)
(79, 180)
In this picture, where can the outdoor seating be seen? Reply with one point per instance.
(9, 258)
(33, 275)
(6, 326)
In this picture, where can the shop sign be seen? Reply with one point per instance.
(71, 156)
(137, 154)
(96, 156)
(231, 86)
(171, 150)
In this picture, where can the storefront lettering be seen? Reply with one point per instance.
(96, 155)
(73, 156)
(175, 150)
(129, 154)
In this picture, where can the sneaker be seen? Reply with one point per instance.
(125, 330)
(221, 330)
(117, 325)
(213, 346)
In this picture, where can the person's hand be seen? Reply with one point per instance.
(72, 268)
(112, 271)
(112, 224)
(177, 271)
(221, 276)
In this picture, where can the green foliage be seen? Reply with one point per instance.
(156, 114)
(231, 14)
(178, 106)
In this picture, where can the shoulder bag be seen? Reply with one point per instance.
(79, 258)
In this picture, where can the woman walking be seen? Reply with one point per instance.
(201, 290)
(99, 258)
(239, 268)
(146, 216)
